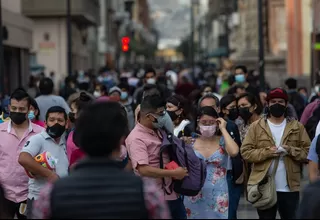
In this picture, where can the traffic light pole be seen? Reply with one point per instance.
(2, 90)
(261, 45)
(69, 38)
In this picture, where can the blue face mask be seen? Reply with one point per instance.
(31, 115)
(124, 95)
(240, 78)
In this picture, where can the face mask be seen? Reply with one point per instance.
(240, 78)
(97, 94)
(173, 115)
(277, 110)
(18, 118)
(31, 115)
(56, 131)
(208, 131)
(159, 122)
(233, 114)
(124, 95)
(245, 114)
(151, 81)
(72, 117)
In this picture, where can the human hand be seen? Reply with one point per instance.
(273, 151)
(180, 173)
(53, 177)
(286, 147)
(187, 140)
(222, 123)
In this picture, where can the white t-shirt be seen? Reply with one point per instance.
(281, 174)
(180, 127)
(318, 129)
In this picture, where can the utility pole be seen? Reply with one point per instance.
(69, 38)
(2, 90)
(261, 45)
(193, 2)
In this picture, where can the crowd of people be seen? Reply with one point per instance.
(99, 150)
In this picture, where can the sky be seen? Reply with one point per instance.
(172, 20)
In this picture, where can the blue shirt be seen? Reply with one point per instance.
(313, 156)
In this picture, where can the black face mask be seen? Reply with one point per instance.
(56, 131)
(277, 110)
(233, 114)
(245, 114)
(72, 117)
(18, 118)
(173, 115)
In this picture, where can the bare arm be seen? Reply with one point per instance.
(28, 162)
(313, 169)
(148, 171)
(231, 146)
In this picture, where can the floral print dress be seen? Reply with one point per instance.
(213, 201)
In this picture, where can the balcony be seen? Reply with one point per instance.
(86, 12)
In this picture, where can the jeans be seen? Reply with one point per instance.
(177, 209)
(235, 192)
(287, 205)
(30, 208)
(12, 209)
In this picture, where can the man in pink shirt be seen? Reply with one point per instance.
(143, 146)
(13, 135)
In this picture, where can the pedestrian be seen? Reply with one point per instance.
(235, 173)
(313, 158)
(74, 152)
(14, 134)
(180, 113)
(213, 201)
(277, 145)
(52, 141)
(127, 101)
(5, 110)
(34, 113)
(143, 145)
(250, 110)
(98, 188)
(47, 99)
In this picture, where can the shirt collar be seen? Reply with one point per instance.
(145, 129)
(62, 138)
(9, 128)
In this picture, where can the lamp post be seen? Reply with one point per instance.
(69, 38)
(261, 44)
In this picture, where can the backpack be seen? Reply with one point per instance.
(184, 156)
(312, 123)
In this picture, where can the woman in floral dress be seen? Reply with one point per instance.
(212, 201)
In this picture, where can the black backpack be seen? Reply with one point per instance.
(312, 123)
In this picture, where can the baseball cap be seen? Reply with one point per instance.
(277, 93)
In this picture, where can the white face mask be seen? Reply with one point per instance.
(97, 94)
(151, 81)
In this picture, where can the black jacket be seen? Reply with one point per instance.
(98, 190)
(237, 164)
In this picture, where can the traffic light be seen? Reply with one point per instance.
(125, 44)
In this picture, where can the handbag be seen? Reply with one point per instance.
(263, 195)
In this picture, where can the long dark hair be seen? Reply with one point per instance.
(253, 101)
(82, 101)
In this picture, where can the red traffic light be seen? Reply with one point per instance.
(125, 48)
(125, 40)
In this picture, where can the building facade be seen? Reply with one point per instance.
(17, 45)
(50, 33)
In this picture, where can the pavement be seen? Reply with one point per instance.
(246, 211)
